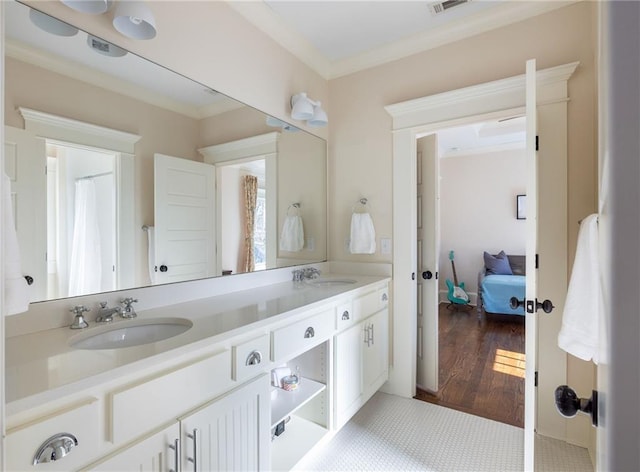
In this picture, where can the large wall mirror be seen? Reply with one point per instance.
(125, 174)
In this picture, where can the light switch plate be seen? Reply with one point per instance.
(385, 245)
(311, 244)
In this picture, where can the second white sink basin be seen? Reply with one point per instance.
(330, 281)
(130, 333)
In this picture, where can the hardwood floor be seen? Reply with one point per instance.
(481, 365)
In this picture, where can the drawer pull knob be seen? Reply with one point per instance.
(310, 332)
(345, 315)
(55, 448)
(385, 297)
(254, 358)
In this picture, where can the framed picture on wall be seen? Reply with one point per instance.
(521, 207)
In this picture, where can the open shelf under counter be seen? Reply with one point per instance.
(299, 437)
(284, 402)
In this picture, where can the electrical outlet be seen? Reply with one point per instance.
(311, 244)
(347, 243)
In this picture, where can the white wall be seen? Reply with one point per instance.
(478, 211)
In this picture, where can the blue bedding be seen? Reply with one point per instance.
(498, 289)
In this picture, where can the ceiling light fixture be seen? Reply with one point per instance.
(305, 109)
(51, 25)
(92, 7)
(134, 20)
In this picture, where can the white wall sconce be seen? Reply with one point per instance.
(92, 7)
(134, 20)
(305, 109)
(131, 18)
(51, 25)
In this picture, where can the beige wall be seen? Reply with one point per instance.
(477, 212)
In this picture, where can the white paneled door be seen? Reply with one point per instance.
(184, 199)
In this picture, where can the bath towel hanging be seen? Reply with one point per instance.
(363, 235)
(151, 251)
(292, 235)
(582, 330)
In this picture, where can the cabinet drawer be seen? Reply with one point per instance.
(140, 408)
(250, 358)
(344, 315)
(302, 335)
(82, 421)
(370, 303)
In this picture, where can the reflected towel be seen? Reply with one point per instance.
(16, 294)
(363, 234)
(151, 243)
(292, 236)
(582, 333)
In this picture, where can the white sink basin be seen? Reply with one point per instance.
(330, 281)
(130, 333)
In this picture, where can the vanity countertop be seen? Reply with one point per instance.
(41, 366)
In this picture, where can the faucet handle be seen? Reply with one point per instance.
(129, 301)
(79, 310)
(79, 322)
(103, 305)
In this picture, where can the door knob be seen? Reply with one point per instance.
(427, 275)
(546, 305)
(514, 303)
(568, 403)
(29, 279)
(163, 268)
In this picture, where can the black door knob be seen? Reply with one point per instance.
(163, 268)
(546, 306)
(568, 404)
(427, 275)
(29, 279)
(515, 303)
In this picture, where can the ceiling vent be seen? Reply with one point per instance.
(440, 7)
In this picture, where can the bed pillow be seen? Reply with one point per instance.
(497, 265)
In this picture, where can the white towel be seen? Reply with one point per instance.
(292, 236)
(151, 244)
(363, 234)
(582, 333)
(16, 295)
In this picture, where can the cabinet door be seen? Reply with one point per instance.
(156, 453)
(348, 372)
(231, 433)
(376, 352)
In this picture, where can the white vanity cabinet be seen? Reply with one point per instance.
(158, 452)
(361, 354)
(229, 433)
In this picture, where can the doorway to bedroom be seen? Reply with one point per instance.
(478, 174)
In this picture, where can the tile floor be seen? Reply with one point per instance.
(399, 434)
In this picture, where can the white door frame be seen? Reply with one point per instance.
(453, 108)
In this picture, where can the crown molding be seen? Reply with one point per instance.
(242, 148)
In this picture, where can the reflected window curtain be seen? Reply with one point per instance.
(250, 186)
(85, 268)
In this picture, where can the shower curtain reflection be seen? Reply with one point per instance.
(85, 269)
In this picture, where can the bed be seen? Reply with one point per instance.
(502, 277)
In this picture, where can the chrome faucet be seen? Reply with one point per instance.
(105, 314)
(310, 273)
(128, 311)
(79, 322)
(299, 275)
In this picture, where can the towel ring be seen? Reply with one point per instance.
(296, 209)
(361, 206)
